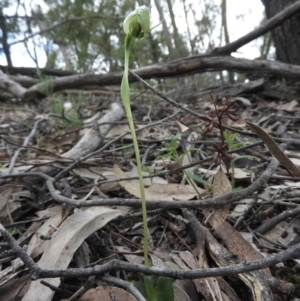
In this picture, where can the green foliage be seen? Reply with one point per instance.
(47, 87)
(71, 115)
(13, 230)
(57, 106)
(89, 40)
(141, 287)
(12, 25)
(136, 25)
(231, 141)
(126, 148)
(52, 59)
(233, 145)
(84, 35)
(150, 169)
(292, 275)
(190, 174)
(171, 153)
(150, 290)
(162, 291)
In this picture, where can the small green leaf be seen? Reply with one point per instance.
(164, 289)
(140, 287)
(151, 292)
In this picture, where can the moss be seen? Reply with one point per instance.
(293, 277)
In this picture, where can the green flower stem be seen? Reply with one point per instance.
(125, 94)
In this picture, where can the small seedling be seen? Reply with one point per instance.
(233, 145)
(48, 83)
(162, 291)
(172, 154)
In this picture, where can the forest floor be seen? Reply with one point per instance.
(87, 216)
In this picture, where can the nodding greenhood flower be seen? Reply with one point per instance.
(137, 23)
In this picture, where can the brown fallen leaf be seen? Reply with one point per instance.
(37, 245)
(104, 293)
(221, 186)
(7, 204)
(275, 149)
(208, 287)
(169, 192)
(254, 280)
(15, 288)
(66, 240)
(165, 192)
(232, 238)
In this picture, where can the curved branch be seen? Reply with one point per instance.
(175, 68)
(117, 265)
(275, 21)
(136, 203)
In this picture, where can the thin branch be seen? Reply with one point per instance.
(125, 284)
(136, 203)
(28, 261)
(185, 66)
(58, 24)
(117, 265)
(272, 222)
(111, 142)
(270, 24)
(169, 100)
(25, 143)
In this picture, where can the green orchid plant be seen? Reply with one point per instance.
(135, 25)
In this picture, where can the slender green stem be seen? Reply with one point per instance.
(192, 183)
(125, 94)
(140, 173)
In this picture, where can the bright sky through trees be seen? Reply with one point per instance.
(242, 17)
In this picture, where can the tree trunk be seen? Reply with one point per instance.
(179, 44)
(167, 34)
(4, 39)
(287, 36)
(226, 35)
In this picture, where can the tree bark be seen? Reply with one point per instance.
(226, 35)
(4, 39)
(167, 34)
(179, 44)
(287, 36)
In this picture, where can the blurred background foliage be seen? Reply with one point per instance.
(87, 35)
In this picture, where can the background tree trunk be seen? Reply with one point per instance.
(3, 39)
(287, 36)
(167, 34)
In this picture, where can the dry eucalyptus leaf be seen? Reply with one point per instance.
(232, 238)
(170, 192)
(166, 192)
(104, 293)
(70, 235)
(275, 149)
(221, 187)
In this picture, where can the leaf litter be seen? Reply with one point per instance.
(51, 233)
